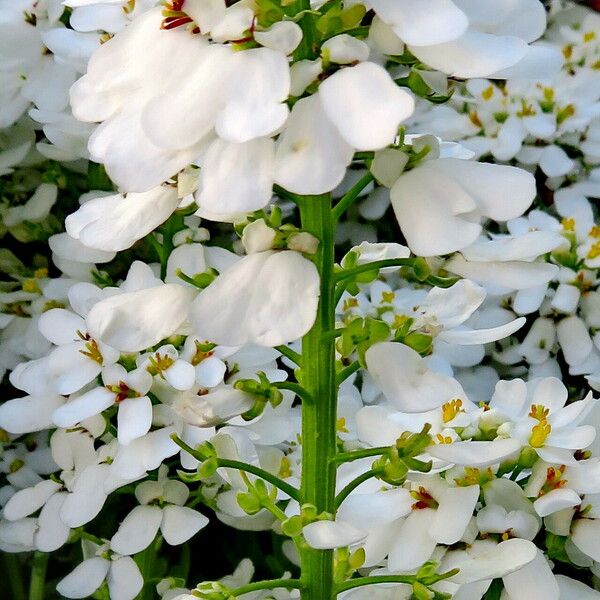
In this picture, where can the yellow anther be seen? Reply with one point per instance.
(548, 94)
(387, 297)
(594, 251)
(443, 439)
(159, 363)
(350, 303)
(595, 232)
(31, 286)
(554, 480)
(527, 110)
(568, 224)
(474, 118)
(539, 412)
(589, 36)
(340, 425)
(40, 273)
(567, 51)
(488, 92)
(451, 409)
(91, 348)
(539, 434)
(423, 499)
(564, 113)
(285, 468)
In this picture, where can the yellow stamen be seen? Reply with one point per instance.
(539, 434)
(451, 409)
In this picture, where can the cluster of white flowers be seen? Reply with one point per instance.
(179, 294)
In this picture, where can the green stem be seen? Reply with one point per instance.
(346, 372)
(289, 353)
(374, 266)
(344, 457)
(294, 387)
(269, 584)
(350, 197)
(290, 490)
(362, 581)
(37, 581)
(348, 489)
(12, 571)
(146, 561)
(319, 417)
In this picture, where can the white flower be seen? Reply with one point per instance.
(267, 298)
(114, 223)
(406, 381)
(176, 522)
(120, 572)
(440, 204)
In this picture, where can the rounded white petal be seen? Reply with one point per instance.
(137, 320)
(27, 501)
(268, 298)
(138, 530)
(124, 579)
(406, 381)
(181, 523)
(326, 535)
(236, 178)
(114, 223)
(52, 533)
(507, 557)
(311, 155)
(87, 405)
(455, 510)
(134, 419)
(476, 453)
(535, 581)
(28, 414)
(365, 105)
(85, 579)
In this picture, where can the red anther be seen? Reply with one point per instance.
(173, 22)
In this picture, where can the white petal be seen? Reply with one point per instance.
(574, 339)
(413, 545)
(85, 579)
(474, 54)
(237, 178)
(482, 336)
(571, 588)
(68, 248)
(87, 405)
(181, 523)
(59, 325)
(124, 579)
(87, 497)
(138, 530)
(365, 105)
(406, 381)
(475, 453)
(555, 162)
(311, 155)
(28, 414)
(507, 557)
(52, 533)
(326, 535)
(368, 511)
(137, 320)
(134, 419)
(585, 535)
(456, 505)
(535, 581)
(556, 500)
(422, 23)
(27, 501)
(210, 372)
(181, 375)
(268, 298)
(283, 36)
(114, 223)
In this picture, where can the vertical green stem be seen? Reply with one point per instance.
(37, 582)
(319, 414)
(12, 572)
